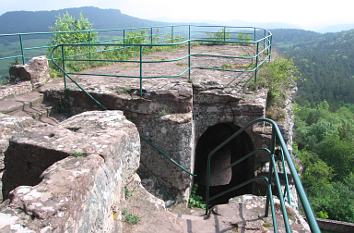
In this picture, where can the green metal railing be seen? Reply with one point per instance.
(277, 148)
(167, 36)
(223, 36)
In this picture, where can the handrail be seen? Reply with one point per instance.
(153, 36)
(184, 31)
(262, 53)
(276, 141)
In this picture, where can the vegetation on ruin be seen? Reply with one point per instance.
(129, 217)
(279, 77)
(195, 201)
(74, 35)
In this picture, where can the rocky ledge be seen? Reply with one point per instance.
(69, 178)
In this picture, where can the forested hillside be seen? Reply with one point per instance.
(326, 61)
(32, 21)
(324, 117)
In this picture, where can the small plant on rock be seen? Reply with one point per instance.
(129, 217)
(196, 201)
(127, 193)
(78, 154)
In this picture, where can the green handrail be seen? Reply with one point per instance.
(265, 52)
(276, 140)
(184, 31)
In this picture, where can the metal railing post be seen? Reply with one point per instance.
(123, 36)
(270, 173)
(189, 60)
(254, 34)
(224, 33)
(270, 47)
(256, 68)
(264, 40)
(141, 70)
(151, 35)
(189, 32)
(22, 51)
(287, 190)
(90, 42)
(172, 34)
(63, 64)
(280, 196)
(207, 186)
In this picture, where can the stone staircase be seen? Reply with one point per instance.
(242, 214)
(28, 105)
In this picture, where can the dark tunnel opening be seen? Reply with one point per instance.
(221, 178)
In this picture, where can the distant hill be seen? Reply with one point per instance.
(326, 61)
(32, 21)
(287, 37)
(336, 28)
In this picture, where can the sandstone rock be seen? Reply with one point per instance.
(36, 71)
(8, 127)
(70, 178)
(162, 116)
(242, 214)
(15, 89)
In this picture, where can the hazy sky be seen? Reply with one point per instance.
(303, 13)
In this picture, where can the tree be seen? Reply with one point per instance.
(69, 30)
(325, 142)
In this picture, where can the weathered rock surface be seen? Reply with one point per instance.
(69, 178)
(15, 89)
(163, 117)
(36, 71)
(172, 114)
(173, 135)
(8, 127)
(242, 214)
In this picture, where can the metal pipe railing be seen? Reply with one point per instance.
(276, 141)
(139, 46)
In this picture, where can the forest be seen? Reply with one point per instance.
(324, 117)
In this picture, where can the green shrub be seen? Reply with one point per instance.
(196, 201)
(127, 193)
(244, 38)
(68, 30)
(220, 35)
(278, 76)
(129, 217)
(79, 154)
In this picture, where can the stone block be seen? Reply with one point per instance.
(8, 127)
(70, 178)
(36, 71)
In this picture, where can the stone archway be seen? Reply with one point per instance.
(221, 178)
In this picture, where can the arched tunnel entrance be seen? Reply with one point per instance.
(221, 178)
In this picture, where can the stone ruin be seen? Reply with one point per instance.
(67, 178)
(25, 78)
(70, 177)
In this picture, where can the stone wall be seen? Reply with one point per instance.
(163, 117)
(69, 178)
(171, 116)
(8, 127)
